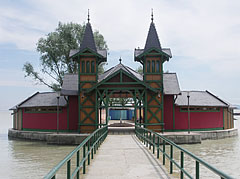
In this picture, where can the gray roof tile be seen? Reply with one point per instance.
(152, 39)
(88, 39)
(199, 98)
(138, 52)
(46, 99)
(170, 81)
(100, 52)
(70, 84)
(170, 84)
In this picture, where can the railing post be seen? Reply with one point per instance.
(182, 163)
(84, 155)
(158, 143)
(69, 169)
(144, 137)
(150, 141)
(97, 140)
(78, 164)
(153, 143)
(92, 143)
(164, 151)
(171, 157)
(88, 152)
(197, 170)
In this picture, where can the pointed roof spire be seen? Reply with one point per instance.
(88, 39)
(152, 38)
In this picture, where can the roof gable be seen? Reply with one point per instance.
(112, 72)
(118, 67)
(170, 80)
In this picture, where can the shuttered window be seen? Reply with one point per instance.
(158, 66)
(148, 66)
(87, 67)
(83, 66)
(153, 66)
(92, 67)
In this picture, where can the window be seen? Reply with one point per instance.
(42, 110)
(83, 66)
(200, 109)
(153, 66)
(158, 66)
(148, 66)
(92, 66)
(87, 67)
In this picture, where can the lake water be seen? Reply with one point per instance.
(24, 159)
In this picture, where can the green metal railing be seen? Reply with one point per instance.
(158, 143)
(88, 148)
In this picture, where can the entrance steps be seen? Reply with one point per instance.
(121, 130)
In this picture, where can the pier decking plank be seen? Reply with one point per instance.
(124, 156)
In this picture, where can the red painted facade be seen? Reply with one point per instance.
(45, 121)
(73, 112)
(198, 120)
(168, 112)
(175, 119)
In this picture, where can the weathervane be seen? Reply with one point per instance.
(88, 16)
(152, 15)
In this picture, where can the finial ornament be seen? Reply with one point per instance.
(152, 15)
(88, 16)
(120, 60)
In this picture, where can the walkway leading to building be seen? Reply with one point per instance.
(124, 156)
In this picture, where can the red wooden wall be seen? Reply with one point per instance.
(168, 112)
(198, 120)
(48, 121)
(45, 121)
(73, 112)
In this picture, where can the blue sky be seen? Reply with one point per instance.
(203, 35)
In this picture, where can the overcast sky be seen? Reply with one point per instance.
(204, 37)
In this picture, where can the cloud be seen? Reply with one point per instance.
(203, 35)
(14, 78)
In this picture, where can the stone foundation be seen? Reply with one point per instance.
(75, 139)
(49, 137)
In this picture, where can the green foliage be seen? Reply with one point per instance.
(140, 70)
(55, 49)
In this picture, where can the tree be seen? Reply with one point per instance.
(54, 52)
(140, 70)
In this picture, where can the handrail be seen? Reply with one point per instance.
(92, 143)
(152, 138)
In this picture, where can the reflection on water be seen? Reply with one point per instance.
(24, 159)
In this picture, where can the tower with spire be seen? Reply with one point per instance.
(88, 58)
(152, 58)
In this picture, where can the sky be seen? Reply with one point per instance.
(204, 37)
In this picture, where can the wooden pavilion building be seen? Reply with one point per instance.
(156, 96)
